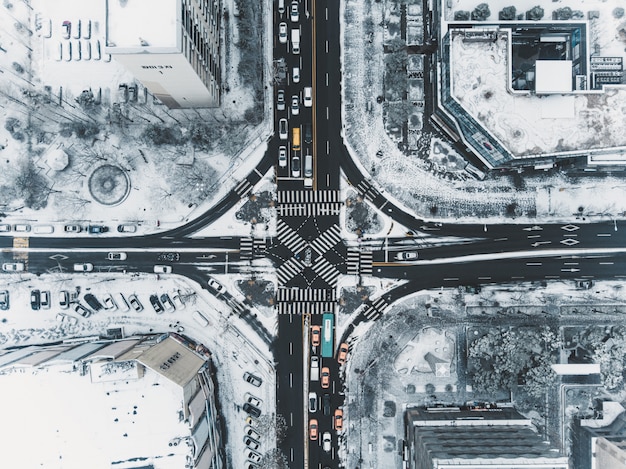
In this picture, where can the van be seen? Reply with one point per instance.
(295, 139)
(308, 166)
(281, 7)
(200, 318)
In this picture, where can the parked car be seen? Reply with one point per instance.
(252, 455)
(316, 332)
(5, 228)
(123, 302)
(326, 441)
(169, 256)
(251, 443)
(250, 409)
(4, 300)
(83, 267)
(45, 299)
(167, 303)
(255, 401)
(325, 377)
(156, 304)
(280, 100)
(35, 299)
(251, 432)
(282, 156)
(73, 228)
(252, 379)
(126, 228)
(162, 269)
(135, 303)
(116, 256)
(215, 285)
(80, 309)
(67, 29)
(406, 256)
(21, 228)
(283, 130)
(93, 302)
(178, 301)
(312, 402)
(282, 33)
(343, 353)
(313, 429)
(109, 302)
(66, 319)
(97, 229)
(64, 299)
(338, 420)
(295, 105)
(13, 266)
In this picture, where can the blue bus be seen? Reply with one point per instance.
(328, 326)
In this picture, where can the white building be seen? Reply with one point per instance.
(171, 46)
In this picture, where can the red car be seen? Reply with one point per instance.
(316, 333)
(313, 429)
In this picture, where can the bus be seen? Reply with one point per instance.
(328, 344)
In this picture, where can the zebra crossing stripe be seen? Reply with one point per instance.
(365, 262)
(243, 188)
(310, 210)
(289, 238)
(307, 197)
(289, 270)
(305, 295)
(326, 271)
(305, 308)
(327, 239)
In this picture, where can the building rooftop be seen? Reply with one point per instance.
(149, 25)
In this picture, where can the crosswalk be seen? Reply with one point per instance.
(243, 188)
(250, 248)
(326, 271)
(302, 307)
(359, 262)
(286, 295)
(289, 238)
(289, 270)
(327, 240)
(376, 308)
(367, 190)
(309, 203)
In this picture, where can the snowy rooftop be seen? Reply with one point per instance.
(525, 124)
(74, 422)
(145, 24)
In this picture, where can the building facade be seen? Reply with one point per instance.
(475, 437)
(171, 46)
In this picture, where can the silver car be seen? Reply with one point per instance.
(282, 33)
(283, 129)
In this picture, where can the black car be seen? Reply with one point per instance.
(35, 299)
(308, 134)
(168, 256)
(326, 404)
(97, 229)
(4, 300)
(156, 304)
(252, 410)
(92, 301)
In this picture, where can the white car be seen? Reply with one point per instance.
(295, 74)
(294, 14)
(215, 285)
(255, 401)
(84, 267)
(295, 105)
(282, 156)
(13, 266)
(406, 256)
(116, 256)
(280, 100)
(162, 269)
(308, 96)
(312, 402)
(283, 129)
(282, 33)
(326, 441)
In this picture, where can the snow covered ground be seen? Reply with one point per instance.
(440, 194)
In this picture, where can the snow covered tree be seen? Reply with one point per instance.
(503, 358)
(507, 13)
(481, 12)
(274, 459)
(535, 13)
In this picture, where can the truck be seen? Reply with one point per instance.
(295, 41)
